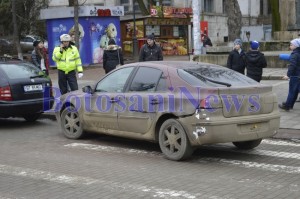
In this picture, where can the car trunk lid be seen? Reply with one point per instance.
(244, 101)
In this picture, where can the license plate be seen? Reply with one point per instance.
(37, 87)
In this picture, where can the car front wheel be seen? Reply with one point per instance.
(246, 145)
(71, 124)
(173, 141)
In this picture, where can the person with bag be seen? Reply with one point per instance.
(293, 74)
(150, 51)
(39, 56)
(68, 61)
(237, 57)
(256, 61)
(112, 56)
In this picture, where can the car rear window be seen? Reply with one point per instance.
(201, 76)
(16, 71)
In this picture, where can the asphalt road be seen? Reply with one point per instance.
(37, 161)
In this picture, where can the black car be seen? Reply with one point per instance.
(25, 91)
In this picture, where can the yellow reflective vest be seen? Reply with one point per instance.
(68, 60)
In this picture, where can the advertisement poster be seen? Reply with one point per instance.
(94, 34)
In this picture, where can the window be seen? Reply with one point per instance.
(167, 31)
(16, 71)
(124, 1)
(205, 77)
(208, 6)
(115, 82)
(147, 79)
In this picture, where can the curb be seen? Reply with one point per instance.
(272, 77)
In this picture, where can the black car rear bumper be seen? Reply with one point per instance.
(17, 108)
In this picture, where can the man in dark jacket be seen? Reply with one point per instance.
(237, 58)
(293, 74)
(112, 56)
(150, 51)
(256, 61)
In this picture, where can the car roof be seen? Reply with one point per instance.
(178, 64)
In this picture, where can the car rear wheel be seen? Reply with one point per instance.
(247, 144)
(71, 124)
(32, 117)
(173, 141)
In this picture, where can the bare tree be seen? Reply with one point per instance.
(16, 32)
(234, 22)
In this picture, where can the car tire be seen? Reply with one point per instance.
(173, 141)
(32, 117)
(71, 124)
(246, 145)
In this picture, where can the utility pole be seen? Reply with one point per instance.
(196, 26)
(76, 27)
(134, 39)
(16, 32)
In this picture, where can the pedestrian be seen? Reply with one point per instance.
(68, 61)
(237, 57)
(206, 41)
(150, 51)
(39, 56)
(112, 56)
(293, 74)
(255, 62)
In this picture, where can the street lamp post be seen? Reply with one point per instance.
(135, 43)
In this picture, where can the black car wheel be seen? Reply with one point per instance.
(32, 117)
(173, 141)
(71, 124)
(247, 144)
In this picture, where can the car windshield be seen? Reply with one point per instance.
(24, 70)
(214, 77)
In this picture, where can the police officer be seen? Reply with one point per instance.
(68, 61)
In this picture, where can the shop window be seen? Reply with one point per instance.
(167, 31)
(153, 30)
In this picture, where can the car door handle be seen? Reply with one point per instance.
(154, 101)
(113, 100)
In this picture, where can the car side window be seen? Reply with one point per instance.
(147, 79)
(114, 82)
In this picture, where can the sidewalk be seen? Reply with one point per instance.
(289, 122)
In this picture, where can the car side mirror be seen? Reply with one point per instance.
(87, 89)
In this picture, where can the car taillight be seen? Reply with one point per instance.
(5, 93)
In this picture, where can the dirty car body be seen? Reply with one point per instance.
(180, 105)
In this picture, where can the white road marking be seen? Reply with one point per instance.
(44, 175)
(247, 164)
(77, 180)
(111, 149)
(280, 143)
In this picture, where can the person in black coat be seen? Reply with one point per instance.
(150, 51)
(112, 56)
(237, 58)
(256, 61)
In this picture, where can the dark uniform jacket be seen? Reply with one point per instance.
(112, 57)
(294, 66)
(237, 61)
(256, 61)
(150, 53)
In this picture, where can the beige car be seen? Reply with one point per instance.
(180, 105)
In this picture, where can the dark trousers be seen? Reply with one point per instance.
(294, 87)
(67, 79)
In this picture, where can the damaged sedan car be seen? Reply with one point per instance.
(180, 105)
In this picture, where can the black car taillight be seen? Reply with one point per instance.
(5, 93)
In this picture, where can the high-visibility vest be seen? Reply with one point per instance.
(68, 60)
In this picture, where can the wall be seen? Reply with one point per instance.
(287, 11)
(217, 27)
